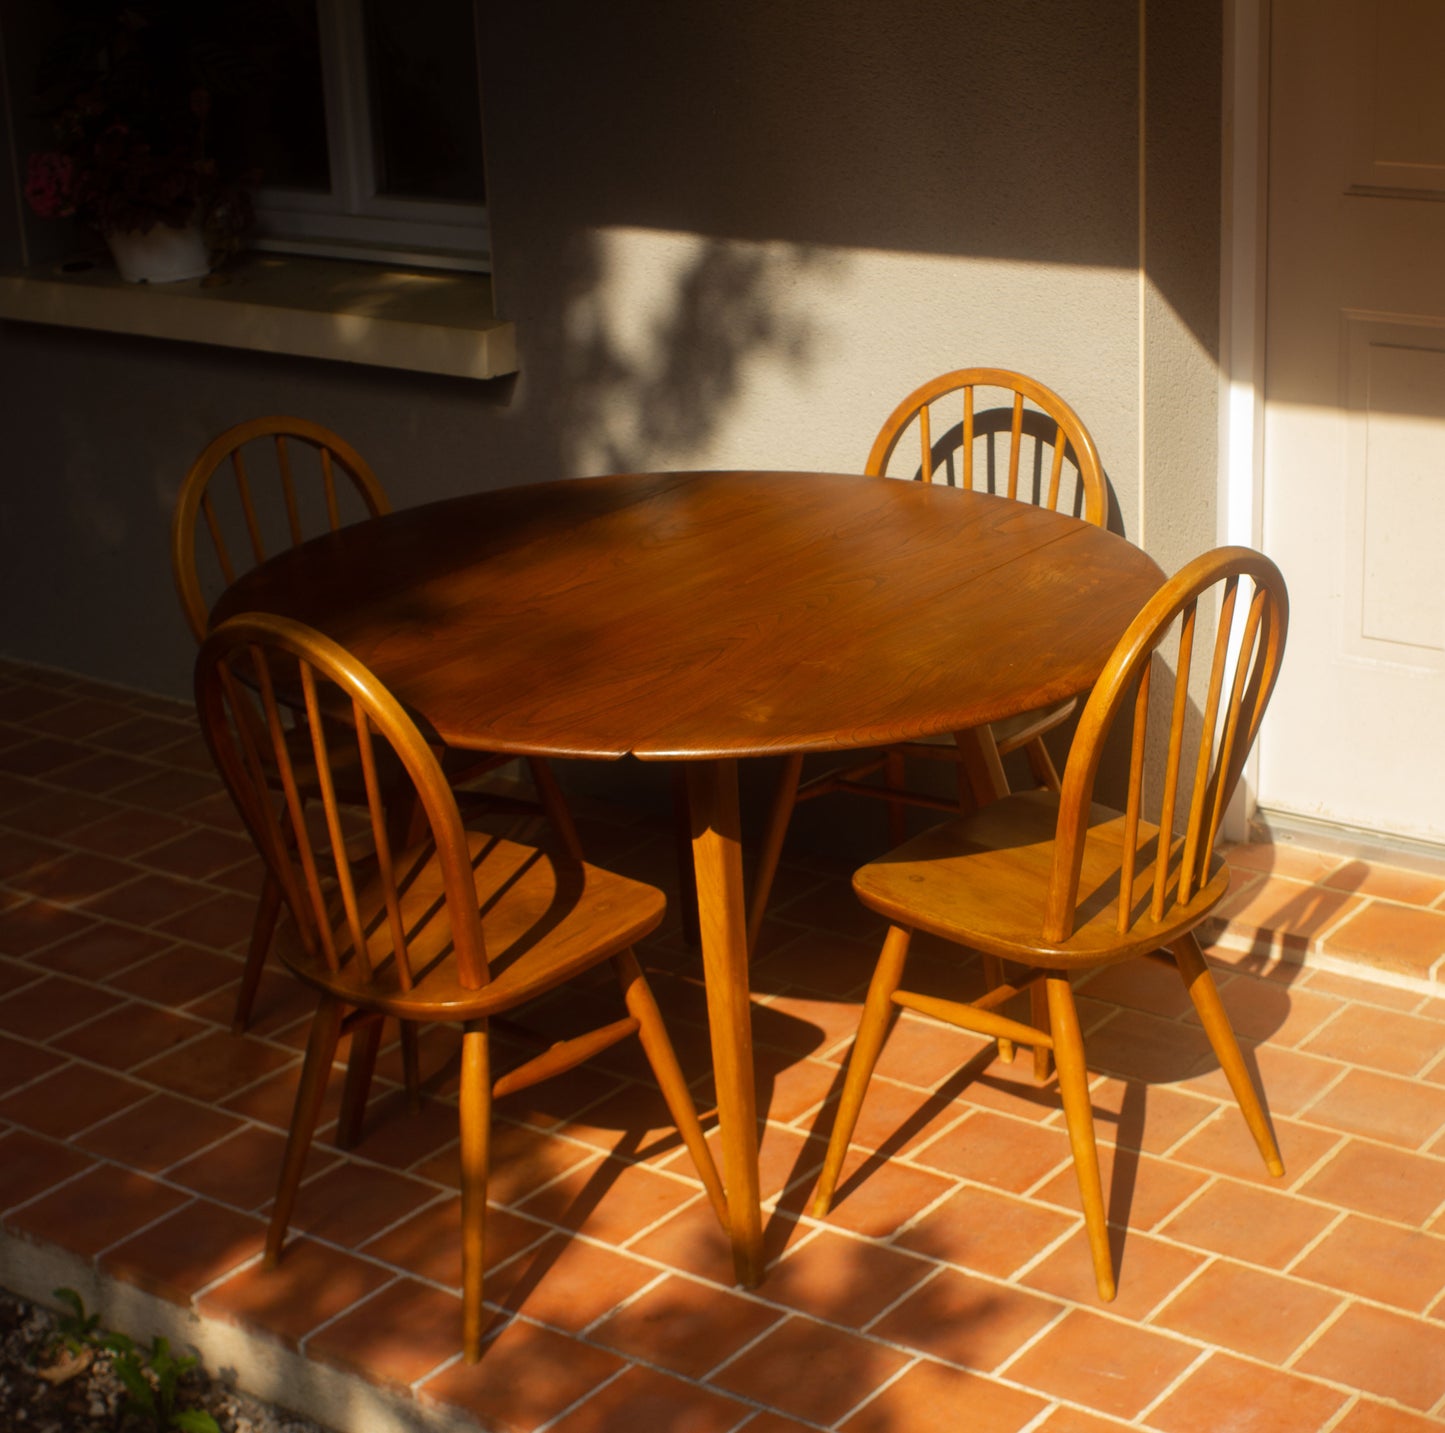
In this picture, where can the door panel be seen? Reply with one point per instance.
(1354, 489)
(1396, 500)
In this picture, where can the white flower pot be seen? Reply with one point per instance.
(160, 255)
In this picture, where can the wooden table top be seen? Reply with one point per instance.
(679, 615)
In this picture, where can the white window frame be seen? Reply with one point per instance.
(352, 220)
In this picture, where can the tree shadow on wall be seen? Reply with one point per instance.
(658, 350)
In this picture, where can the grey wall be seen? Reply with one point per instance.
(731, 234)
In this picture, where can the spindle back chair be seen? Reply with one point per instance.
(986, 430)
(259, 488)
(1057, 883)
(1049, 458)
(245, 499)
(433, 923)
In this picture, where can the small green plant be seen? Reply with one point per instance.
(151, 1376)
(76, 1330)
(152, 1379)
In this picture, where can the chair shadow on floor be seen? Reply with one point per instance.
(774, 1029)
(1128, 1123)
(622, 1111)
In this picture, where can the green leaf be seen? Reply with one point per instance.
(75, 1330)
(193, 1420)
(130, 1373)
(71, 1300)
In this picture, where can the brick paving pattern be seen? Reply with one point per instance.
(949, 1288)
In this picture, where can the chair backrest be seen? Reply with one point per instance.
(1050, 460)
(279, 494)
(283, 708)
(1235, 650)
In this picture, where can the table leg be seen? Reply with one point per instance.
(984, 774)
(982, 765)
(712, 788)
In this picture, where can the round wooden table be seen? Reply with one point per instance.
(703, 617)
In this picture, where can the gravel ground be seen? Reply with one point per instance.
(89, 1398)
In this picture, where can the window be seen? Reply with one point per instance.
(363, 122)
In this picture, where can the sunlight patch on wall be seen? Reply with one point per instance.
(689, 351)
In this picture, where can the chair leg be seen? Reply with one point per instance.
(771, 849)
(1205, 995)
(1039, 1016)
(982, 778)
(268, 908)
(993, 978)
(554, 805)
(365, 1042)
(320, 1051)
(475, 1102)
(1041, 764)
(657, 1046)
(872, 1031)
(1079, 1115)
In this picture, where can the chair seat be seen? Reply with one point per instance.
(544, 919)
(983, 881)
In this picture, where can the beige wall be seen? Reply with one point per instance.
(1180, 291)
(731, 232)
(765, 223)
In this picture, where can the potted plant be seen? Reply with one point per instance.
(129, 91)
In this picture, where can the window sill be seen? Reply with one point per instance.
(425, 322)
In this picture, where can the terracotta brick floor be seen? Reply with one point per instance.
(950, 1288)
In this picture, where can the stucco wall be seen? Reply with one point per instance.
(762, 224)
(1180, 292)
(731, 234)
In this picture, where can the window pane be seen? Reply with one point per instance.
(425, 108)
(267, 61)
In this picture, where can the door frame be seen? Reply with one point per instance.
(1244, 219)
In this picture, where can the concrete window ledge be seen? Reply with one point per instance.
(422, 321)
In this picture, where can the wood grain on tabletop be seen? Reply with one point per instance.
(714, 614)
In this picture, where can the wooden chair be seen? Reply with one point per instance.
(1058, 884)
(457, 926)
(1001, 433)
(291, 479)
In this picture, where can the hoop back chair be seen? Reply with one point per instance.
(261, 487)
(998, 432)
(1058, 884)
(457, 925)
(319, 481)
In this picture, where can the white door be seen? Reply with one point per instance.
(1354, 486)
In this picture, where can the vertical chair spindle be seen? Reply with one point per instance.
(1135, 801)
(288, 491)
(1178, 719)
(248, 507)
(1015, 445)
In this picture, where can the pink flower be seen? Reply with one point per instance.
(50, 185)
